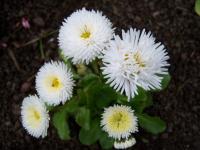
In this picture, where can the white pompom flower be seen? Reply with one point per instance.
(119, 121)
(125, 143)
(54, 83)
(133, 61)
(84, 34)
(35, 117)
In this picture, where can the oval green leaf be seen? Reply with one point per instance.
(60, 123)
(88, 137)
(151, 124)
(83, 118)
(105, 141)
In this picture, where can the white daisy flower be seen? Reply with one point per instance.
(84, 34)
(124, 144)
(54, 83)
(135, 61)
(119, 121)
(35, 117)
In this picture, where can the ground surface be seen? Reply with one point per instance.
(173, 22)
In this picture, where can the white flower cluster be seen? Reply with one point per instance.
(130, 61)
(54, 85)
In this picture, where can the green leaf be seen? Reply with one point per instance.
(104, 96)
(72, 106)
(99, 94)
(88, 137)
(95, 93)
(60, 123)
(121, 99)
(88, 79)
(105, 141)
(90, 91)
(49, 107)
(83, 118)
(142, 94)
(151, 124)
(197, 7)
(164, 83)
(141, 101)
(82, 97)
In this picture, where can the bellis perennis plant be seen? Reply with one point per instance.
(104, 82)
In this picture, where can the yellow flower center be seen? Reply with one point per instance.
(53, 83)
(119, 121)
(34, 117)
(86, 33)
(37, 115)
(136, 57)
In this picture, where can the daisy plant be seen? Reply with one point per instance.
(103, 82)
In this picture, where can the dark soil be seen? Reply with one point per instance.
(173, 22)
